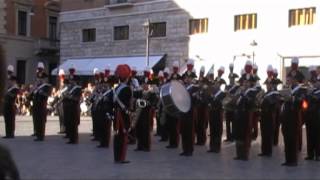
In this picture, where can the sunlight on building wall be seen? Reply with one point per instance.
(273, 35)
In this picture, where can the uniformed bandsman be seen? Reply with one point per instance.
(188, 119)
(201, 112)
(216, 113)
(104, 109)
(255, 113)
(9, 105)
(146, 104)
(229, 107)
(312, 117)
(291, 115)
(39, 97)
(163, 124)
(243, 121)
(122, 98)
(62, 89)
(94, 100)
(73, 114)
(278, 108)
(268, 114)
(173, 122)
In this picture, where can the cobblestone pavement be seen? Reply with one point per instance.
(53, 159)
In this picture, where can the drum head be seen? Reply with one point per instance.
(180, 96)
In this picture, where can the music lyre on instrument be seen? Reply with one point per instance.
(175, 98)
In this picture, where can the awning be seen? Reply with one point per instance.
(85, 66)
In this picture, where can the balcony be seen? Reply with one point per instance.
(45, 46)
(116, 4)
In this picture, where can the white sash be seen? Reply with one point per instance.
(116, 98)
(12, 88)
(295, 89)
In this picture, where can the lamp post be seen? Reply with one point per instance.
(253, 44)
(240, 55)
(146, 26)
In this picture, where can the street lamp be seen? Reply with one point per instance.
(253, 44)
(240, 55)
(146, 26)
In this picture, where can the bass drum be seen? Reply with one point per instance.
(175, 98)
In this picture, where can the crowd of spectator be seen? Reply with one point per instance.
(23, 104)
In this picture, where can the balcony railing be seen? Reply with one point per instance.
(46, 45)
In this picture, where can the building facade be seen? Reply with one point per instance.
(2, 16)
(211, 32)
(29, 34)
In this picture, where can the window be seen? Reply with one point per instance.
(300, 17)
(21, 71)
(88, 35)
(245, 22)
(122, 1)
(116, 1)
(121, 33)
(158, 29)
(22, 23)
(198, 26)
(53, 21)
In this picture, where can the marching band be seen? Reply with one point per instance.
(129, 103)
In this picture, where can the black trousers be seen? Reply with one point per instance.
(120, 142)
(187, 133)
(313, 134)
(201, 125)
(229, 115)
(243, 133)
(94, 124)
(163, 127)
(61, 117)
(67, 117)
(276, 128)
(143, 130)
(173, 131)
(74, 121)
(104, 132)
(216, 129)
(267, 127)
(40, 118)
(9, 114)
(290, 144)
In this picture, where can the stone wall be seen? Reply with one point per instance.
(175, 44)
(2, 17)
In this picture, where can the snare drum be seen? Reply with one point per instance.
(175, 98)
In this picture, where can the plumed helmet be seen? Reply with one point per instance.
(190, 62)
(61, 72)
(221, 69)
(202, 69)
(160, 74)
(10, 68)
(95, 71)
(175, 64)
(40, 65)
(312, 68)
(166, 70)
(275, 70)
(295, 60)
